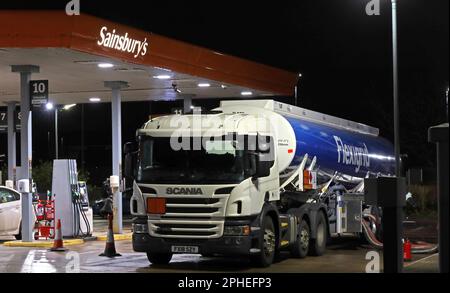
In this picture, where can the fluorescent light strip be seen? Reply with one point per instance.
(162, 77)
(105, 65)
(247, 93)
(68, 107)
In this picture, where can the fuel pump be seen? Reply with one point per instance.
(83, 211)
(71, 200)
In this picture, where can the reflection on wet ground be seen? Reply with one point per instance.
(343, 256)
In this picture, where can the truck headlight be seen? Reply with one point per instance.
(140, 228)
(236, 230)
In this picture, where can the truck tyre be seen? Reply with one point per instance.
(318, 245)
(267, 246)
(300, 247)
(159, 258)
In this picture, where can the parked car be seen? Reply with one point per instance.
(10, 213)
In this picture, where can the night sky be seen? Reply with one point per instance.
(343, 54)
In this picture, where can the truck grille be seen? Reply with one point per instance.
(188, 210)
(197, 229)
(191, 217)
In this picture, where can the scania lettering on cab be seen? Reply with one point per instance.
(251, 179)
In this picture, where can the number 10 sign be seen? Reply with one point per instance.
(39, 92)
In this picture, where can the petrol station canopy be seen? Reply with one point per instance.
(70, 51)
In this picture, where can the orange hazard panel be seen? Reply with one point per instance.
(156, 205)
(307, 180)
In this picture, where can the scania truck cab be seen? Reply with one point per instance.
(250, 179)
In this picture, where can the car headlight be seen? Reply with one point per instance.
(237, 230)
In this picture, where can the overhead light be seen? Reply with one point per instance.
(95, 100)
(246, 93)
(49, 106)
(105, 65)
(204, 85)
(162, 76)
(68, 107)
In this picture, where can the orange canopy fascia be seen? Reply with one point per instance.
(54, 29)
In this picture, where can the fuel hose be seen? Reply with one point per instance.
(416, 248)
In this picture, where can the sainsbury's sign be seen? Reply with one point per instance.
(124, 43)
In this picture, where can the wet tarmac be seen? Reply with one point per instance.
(343, 256)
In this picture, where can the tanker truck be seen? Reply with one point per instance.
(251, 179)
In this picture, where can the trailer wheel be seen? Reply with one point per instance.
(159, 258)
(318, 245)
(267, 245)
(300, 247)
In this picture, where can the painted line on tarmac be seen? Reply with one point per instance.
(422, 259)
(42, 244)
(117, 237)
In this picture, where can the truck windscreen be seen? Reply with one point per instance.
(213, 162)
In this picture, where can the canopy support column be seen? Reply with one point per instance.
(116, 115)
(26, 146)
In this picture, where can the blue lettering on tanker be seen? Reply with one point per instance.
(343, 151)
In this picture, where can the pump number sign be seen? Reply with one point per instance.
(39, 92)
(4, 120)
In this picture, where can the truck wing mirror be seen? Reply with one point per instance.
(130, 162)
(130, 150)
(130, 147)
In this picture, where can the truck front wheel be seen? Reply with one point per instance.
(159, 258)
(267, 245)
(318, 245)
